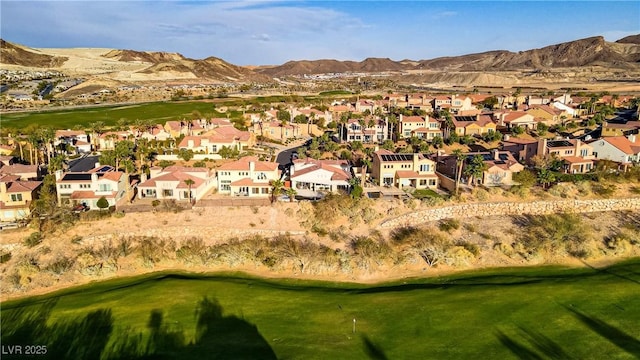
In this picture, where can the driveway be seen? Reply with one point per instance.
(84, 163)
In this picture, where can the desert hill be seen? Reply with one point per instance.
(574, 64)
(13, 54)
(594, 51)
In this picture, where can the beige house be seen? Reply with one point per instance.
(88, 187)
(511, 119)
(16, 197)
(247, 177)
(473, 125)
(577, 156)
(173, 183)
(400, 170)
(500, 167)
(25, 172)
(213, 140)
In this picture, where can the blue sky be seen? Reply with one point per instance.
(273, 32)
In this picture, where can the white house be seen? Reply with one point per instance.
(620, 149)
(88, 187)
(310, 176)
(247, 177)
(172, 183)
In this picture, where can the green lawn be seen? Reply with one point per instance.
(159, 112)
(529, 313)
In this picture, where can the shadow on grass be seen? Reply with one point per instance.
(373, 350)
(95, 337)
(616, 336)
(537, 345)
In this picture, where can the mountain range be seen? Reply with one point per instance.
(620, 58)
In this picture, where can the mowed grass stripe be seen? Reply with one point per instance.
(546, 311)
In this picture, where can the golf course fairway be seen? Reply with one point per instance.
(527, 313)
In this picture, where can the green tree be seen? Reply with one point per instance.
(56, 163)
(460, 158)
(546, 177)
(277, 186)
(189, 183)
(165, 164)
(475, 168)
(291, 193)
(185, 154)
(102, 203)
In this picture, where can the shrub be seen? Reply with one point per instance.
(4, 257)
(34, 239)
(448, 225)
(60, 265)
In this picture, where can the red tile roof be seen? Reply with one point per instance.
(243, 164)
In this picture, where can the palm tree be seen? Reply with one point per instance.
(56, 163)
(189, 183)
(97, 129)
(34, 142)
(475, 169)
(277, 186)
(460, 157)
(291, 192)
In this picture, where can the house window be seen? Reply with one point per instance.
(185, 194)
(423, 182)
(167, 193)
(432, 182)
(85, 186)
(255, 190)
(568, 152)
(225, 185)
(584, 152)
(265, 190)
(65, 186)
(16, 197)
(150, 192)
(214, 148)
(425, 167)
(104, 187)
(262, 176)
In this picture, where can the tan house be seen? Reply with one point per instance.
(88, 187)
(16, 196)
(276, 130)
(247, 177)
(501, 165)
(213, 140)
(400, 170)
(24, 172)
(511, 119)
(577, 156)
(474, 125)
(619, 129)
(432, 129)
(545, 113)
(173, 183)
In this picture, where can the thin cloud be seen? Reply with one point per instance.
(444, 14)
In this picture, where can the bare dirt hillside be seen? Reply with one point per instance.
(13, 54)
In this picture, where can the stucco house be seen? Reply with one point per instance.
(247, 176)
(500, 167)
(577, 156)
(172, 183)
(621, 149)
(16, 196)
(88, 187)
(309, 176)
(511, 119)
(24, 172)
(400, 170)
(474, 125)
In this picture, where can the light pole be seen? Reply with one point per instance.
(354, 325)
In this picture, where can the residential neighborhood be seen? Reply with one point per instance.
(389, 145)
